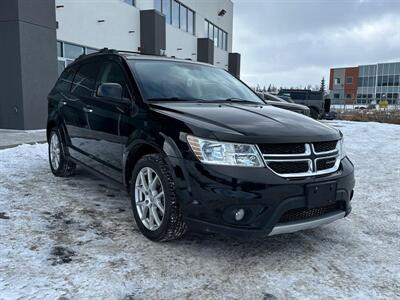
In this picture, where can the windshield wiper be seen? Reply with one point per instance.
(237, 100)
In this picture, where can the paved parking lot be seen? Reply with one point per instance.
(76, 238)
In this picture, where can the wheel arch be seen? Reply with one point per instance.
(163, 145)
(56, 122)
(136, 151)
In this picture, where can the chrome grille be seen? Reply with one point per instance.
(325, 146)
(301, 159)
(282, 148)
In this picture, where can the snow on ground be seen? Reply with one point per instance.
(76, 238)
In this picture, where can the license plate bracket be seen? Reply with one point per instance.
(321, 194)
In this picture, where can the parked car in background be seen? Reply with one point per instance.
(195, 147)
(286, 98)
(314, 100)
(279, 102)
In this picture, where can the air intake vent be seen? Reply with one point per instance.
(306, 213)
(284, 149)
(289, 167)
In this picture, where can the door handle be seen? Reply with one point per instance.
(87, 109)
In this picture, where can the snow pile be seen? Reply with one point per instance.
(76, 238)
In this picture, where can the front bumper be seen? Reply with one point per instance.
(209, 194)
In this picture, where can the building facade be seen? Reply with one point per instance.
(84, 26)
(40, 38)
(365, 84)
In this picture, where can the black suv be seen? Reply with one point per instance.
(195, 147)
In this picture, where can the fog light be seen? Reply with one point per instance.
(239, 214)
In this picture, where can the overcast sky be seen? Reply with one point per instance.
(295, 42)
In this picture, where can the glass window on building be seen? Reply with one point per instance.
(60, 66)
(130, 2)
(390, 80)
(90, 50)
(385, 79)
(216, 36)
(183, 17)
(336, 96)
(190, 21)
(380, 79)
(349, 80)
(210, 31)
(348, 96)
(157, 5)
(219, 36)
(397, 69)
(73, 51)
(396, 80)
(59, 49)
(175, 14)
(337, 80)
(166, 10)
(378, 96)
(371, 81)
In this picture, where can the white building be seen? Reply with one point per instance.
(39, 37)
(93, 24)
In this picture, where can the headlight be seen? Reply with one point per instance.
(340, 148)
(220, 153)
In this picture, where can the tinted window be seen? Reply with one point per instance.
(160, 80)
(112, 73)
(85, 80)
(64, 82)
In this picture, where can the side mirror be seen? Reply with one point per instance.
(110, 90)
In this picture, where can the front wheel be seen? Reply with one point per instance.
(154, 200)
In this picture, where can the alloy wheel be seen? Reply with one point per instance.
(55, 151)
(149, 198)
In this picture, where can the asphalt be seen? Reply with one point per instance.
(12, 138)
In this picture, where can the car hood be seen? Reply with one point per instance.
(248, 123)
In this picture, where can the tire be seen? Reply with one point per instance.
(314, 113)
(60, 166)
(171, 225)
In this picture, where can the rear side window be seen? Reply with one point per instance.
(85, 80)
(65, 81)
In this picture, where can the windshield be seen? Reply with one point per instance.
(181, 81)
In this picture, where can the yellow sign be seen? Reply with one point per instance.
(383, 104)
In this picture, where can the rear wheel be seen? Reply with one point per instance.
(59, 162)
(154, 200)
